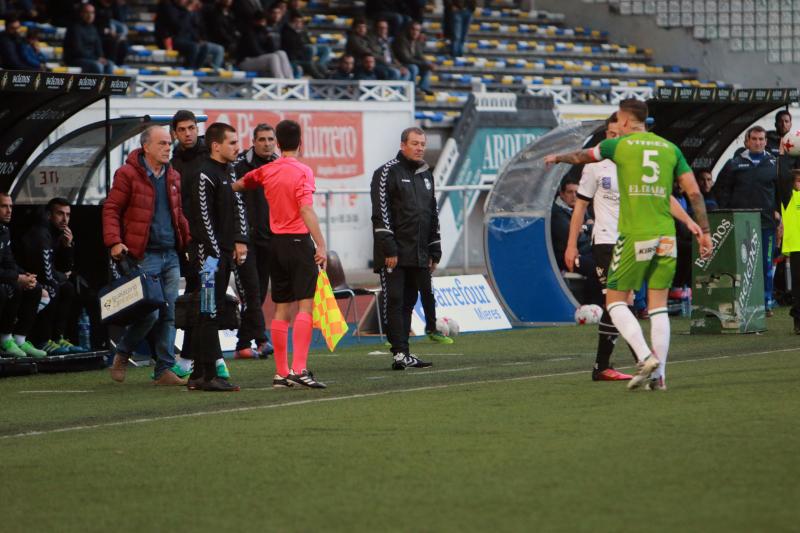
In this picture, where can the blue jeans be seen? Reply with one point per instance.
(164, 265)
(459, 26)
(767, 255)
(424, 83)
(321, 51)
(92, 66)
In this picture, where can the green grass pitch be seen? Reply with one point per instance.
(505, 433)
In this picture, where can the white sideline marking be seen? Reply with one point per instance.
(352, 397)
(428, 372)
(54, 391)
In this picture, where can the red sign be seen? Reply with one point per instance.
(332, 142)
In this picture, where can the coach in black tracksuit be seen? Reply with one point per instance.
(252, 277)
(407, 248)
(219, 230)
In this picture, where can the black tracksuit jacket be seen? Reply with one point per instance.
(187, 162)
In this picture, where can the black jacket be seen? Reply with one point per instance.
(743, 184)
(175, 22)
(10, 52)
(560, 218)
(217, 217)
(82, 41)
(255, 203)
(44, 254)
(773, 142)
(221, 28)
(293, 43)
(9, 271)
(785, 186)
(256, 41)
(405, 216)
(187, 162)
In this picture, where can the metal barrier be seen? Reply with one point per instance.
(463, 189)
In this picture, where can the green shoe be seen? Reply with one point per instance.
(54, 348)
(9, 348)
(438, 337)
(222, 370)
(31, 350)
(71, 348)
(180, 372)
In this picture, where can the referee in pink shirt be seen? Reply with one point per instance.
(295, 258)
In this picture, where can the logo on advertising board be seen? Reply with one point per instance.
(718, 237)
(333, 143)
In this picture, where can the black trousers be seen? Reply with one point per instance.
(252, 289)
(51, 324)
(400, 289)
(428, 301)
(794, 257)
(192, 278)
(18, 308)
(205, 335)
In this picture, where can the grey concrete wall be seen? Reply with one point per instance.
(677, 46)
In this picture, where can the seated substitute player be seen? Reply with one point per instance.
(289, 187)
(599, 185)
(645, 250)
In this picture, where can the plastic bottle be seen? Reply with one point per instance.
(686, 302)
(84, 331)
(208, 305)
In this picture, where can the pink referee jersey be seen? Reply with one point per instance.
(288, 185)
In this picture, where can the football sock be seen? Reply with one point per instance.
(301, 340)
(280, 338)
(220, 361)
(185, 364)
(19, 339)
(659, 338)
(5, 336)
(607, 338)
(629, 328)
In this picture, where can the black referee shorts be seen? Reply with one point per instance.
(293, 271)
(602, 258)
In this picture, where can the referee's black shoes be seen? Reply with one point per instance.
(305, 379)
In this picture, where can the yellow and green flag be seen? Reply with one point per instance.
(327, 317)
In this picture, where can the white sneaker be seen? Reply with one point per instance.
(646, 367)
(656, 384)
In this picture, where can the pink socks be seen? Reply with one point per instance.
(301, 340)
(280, 339)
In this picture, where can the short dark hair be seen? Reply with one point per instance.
(12, 16)
(57, 201)
(182, 116)
(259, 15)
(215, 133)
(778, 115)
(409, 131)
(289, 134)
(357, 21)
(612, 119)
(755, 129)
(567, 181)
(637, 108)
(4, 194)
(262, 127)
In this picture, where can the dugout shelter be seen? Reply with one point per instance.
(703, 122)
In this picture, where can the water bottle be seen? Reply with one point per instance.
(686, 302)
(208, 305)
(84, 331)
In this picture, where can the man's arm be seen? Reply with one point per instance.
(113, 208)
(680, 214)
(309, 216)
(723, 187)
(201, 212)
(579, 157)
(382, 228)
(575, 224)
(249, 181)
(435, 238)
(688, 183)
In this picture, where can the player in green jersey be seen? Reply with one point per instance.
(646, 250)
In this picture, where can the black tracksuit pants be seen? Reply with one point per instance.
(18, 308)
(205, 334)
(400, 289)
(51, 324)
(252, 280)
(794, 257)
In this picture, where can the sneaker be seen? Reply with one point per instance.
(54, 348)
(245, 353)
(280, 382)
(118, 367)
(181, 372)
(195, 383)
(222, 370)
(168, 377)
(10, 348)
(438, 337)
(656, 384)
(71, 348)
(609, 374)
(797, 326)
(218, 384)
(306, 379)
(265, 349)
(403, 361)
(646, 367)
(31, 350)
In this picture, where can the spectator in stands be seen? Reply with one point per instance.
(63, 12)
(388, 10)
(367, 68)
(48, 251)
(244, 10)
(409, 50)
(706, 182)
(113, 32)
(783, 123)
(19, 295)
(12, 47)
(143, 218)
(415, 9)
(295, 8)
(252, 276)
(559, 235)
(26, 9)
(179, 28)
(360, 44)
(346, 68)
(259, 51)
(83, 45)
(221, 26)
(30, 51)
(385, 57)
(457, 17)
(295, 41)
(215, 55)
(748, 181)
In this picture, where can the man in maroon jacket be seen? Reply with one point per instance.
(142, 217)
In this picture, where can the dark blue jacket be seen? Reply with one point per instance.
(10, 56)
(744, 184)
(82, 41)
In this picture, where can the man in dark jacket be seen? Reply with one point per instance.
(252, 277)
(142, 218)
(295, 41)
(407, 246)
(83, 46)
(221, 27)
(219, 241)
(177, 25)
(11, 43)
(19, 295)
(346, 69)
(409, 51)
(748, 181)
(783, 123)
(259, 49)
(113, 32)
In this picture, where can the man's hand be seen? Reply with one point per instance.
(706, 247)
(66, 237)
(239, 253)
(551, 159)
(571, 257)
(779, 233)
(390, 262)
(431, 265)
(694, 228)
(118, 250)
(26, 281)
(321, 256)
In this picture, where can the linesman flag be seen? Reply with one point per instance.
(327, 317)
